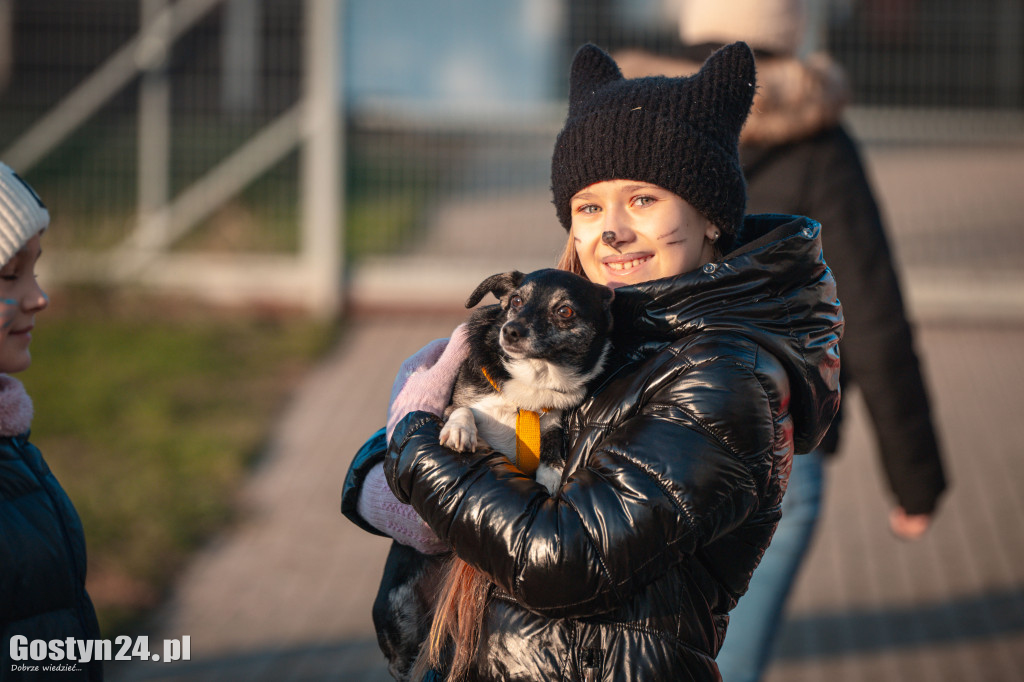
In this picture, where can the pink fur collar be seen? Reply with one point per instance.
(15, 407)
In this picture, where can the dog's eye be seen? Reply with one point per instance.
(565, 312)
(516, 301)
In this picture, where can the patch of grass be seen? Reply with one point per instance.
(378, 227)
(149, 412)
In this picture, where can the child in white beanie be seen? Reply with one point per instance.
(42, 546)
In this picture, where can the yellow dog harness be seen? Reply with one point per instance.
(527, 434)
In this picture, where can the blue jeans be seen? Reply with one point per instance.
(754, 623)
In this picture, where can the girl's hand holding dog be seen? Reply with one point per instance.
(424, 382)
(381, 509)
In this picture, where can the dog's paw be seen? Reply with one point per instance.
(459, 432)
(549, 477)
(458, 439)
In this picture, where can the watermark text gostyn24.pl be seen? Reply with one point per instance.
(71, 650)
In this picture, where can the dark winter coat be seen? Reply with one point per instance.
(798, 158)
(677, 463)
(878, 349)
(42, 560)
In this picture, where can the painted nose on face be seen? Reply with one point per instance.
(610, 238)
(513, 332)
(617, 230)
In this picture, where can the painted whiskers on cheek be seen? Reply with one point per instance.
(671, 233)
(7, 313)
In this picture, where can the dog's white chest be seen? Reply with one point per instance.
(496, 422)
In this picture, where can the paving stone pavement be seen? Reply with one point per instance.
(951, 606)
(286, 594)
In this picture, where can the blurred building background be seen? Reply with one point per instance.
(386, 155)
(282, 149)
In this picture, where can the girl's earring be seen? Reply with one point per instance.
(715, 236)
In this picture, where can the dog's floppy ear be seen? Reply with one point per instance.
(499, 285)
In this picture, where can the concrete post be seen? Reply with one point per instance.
(154, 133)
(321, 172)
(241, 55)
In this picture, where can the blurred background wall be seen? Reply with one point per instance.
(329, 156)
(180, 137)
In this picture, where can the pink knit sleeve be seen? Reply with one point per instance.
(382, 510)
(425, 381)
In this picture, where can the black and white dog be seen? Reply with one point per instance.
(536, 350)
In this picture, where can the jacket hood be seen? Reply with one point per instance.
(795, 98)
(773, 288)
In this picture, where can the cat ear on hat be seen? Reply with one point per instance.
(726, 83)
(592, 68)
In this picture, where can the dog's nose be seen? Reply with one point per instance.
(512, 332)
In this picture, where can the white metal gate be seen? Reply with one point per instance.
(310, 278)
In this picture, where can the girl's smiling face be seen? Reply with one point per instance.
(20, 300)
(656, 233)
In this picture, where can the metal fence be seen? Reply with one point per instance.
(186, 145)
(438, 103)
(937, 102)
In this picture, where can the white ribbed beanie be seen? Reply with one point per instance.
(776, 26)
(22, 213)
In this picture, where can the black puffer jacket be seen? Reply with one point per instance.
(677, 464)
(42, 562)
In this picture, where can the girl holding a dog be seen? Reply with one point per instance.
(724, 366)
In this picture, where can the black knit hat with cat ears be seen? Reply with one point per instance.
(678, 133)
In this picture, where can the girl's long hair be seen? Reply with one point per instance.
(458, 615)
(462, 595)
(570, 260)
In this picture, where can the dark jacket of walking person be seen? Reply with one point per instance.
(813, 167)
(799, 158)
